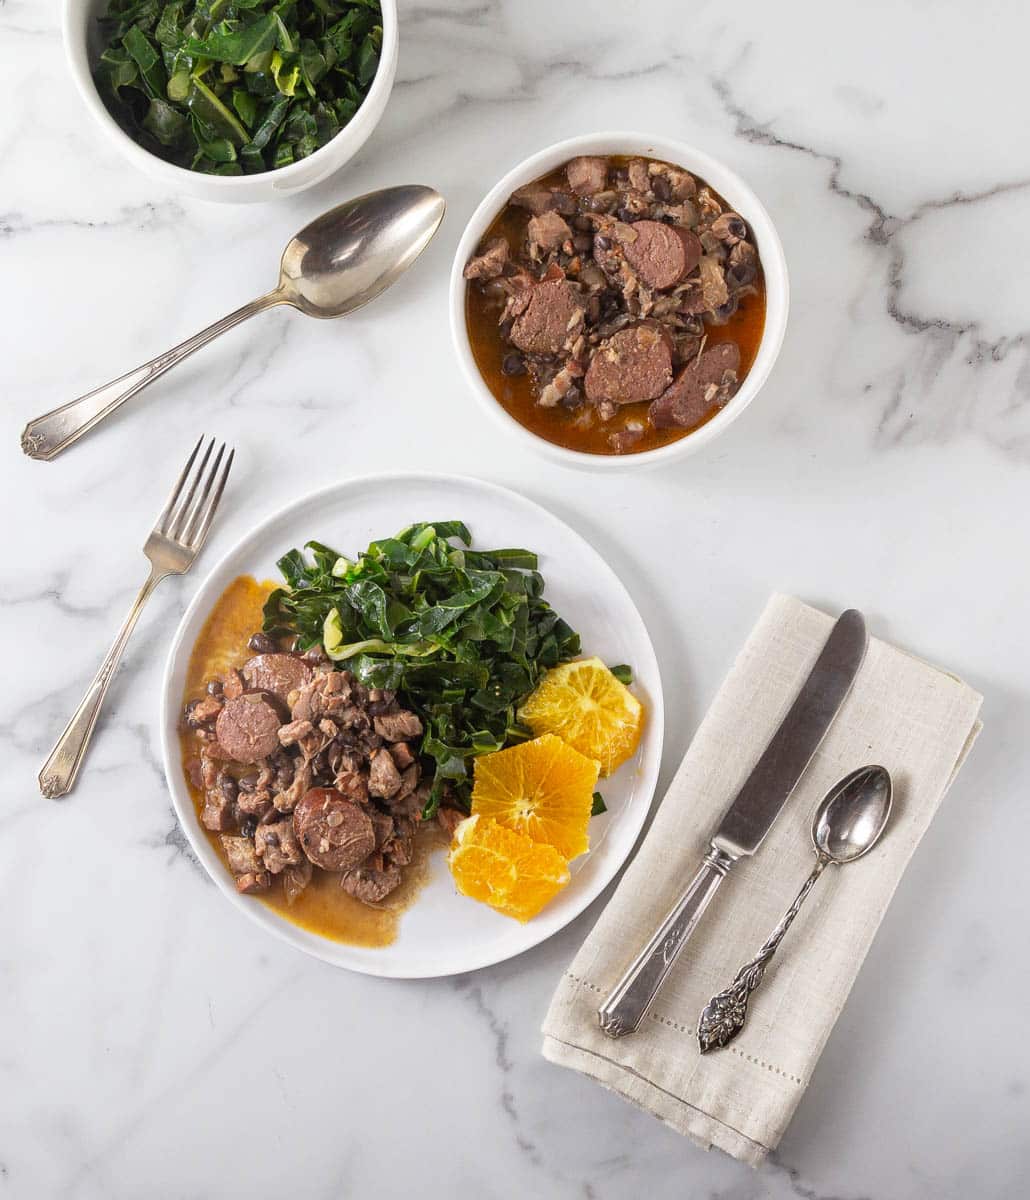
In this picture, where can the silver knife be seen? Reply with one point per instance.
(747, 820)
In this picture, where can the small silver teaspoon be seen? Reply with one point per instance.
(847, 824)
(338, 263)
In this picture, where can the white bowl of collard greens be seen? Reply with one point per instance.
(234, 100)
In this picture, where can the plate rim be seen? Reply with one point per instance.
(285, 931)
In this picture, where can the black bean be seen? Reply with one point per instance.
(602, 242)
(248, 825)
(247, 783)
(228, 787)
(315, 656)
(611, 303)
(661, 188)
(214, 688)
(261, 643)
(513, 364)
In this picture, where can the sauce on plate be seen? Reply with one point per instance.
(323, 907)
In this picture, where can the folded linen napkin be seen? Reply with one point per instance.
(914, 719)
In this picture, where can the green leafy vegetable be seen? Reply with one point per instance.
(598, 806)
(237, 86)
(463, 635)
(623, 673)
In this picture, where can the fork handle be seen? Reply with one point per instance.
(57, 777)
(46, 436)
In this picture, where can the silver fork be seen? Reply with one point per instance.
(174, 543)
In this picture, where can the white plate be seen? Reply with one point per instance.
(444, 933)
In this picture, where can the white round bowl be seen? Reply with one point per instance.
(713, 172)
(82, 41)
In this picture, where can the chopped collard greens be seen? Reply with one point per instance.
(233, 87)
(463, 635)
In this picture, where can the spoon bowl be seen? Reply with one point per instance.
(349, 255)
(851, 817)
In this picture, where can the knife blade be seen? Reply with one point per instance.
(747, 820)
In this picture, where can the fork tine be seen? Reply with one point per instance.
(162, 520)
(178, 521)
(190, 530)
(201, 535)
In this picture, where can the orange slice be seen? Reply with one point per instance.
(543, 789)
(585, 705)
(504, 869)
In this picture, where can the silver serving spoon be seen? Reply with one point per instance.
(338, 263)
(847, 824)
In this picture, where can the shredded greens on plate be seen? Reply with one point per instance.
(233, 87)
(464, 635)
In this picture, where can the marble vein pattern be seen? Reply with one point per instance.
(153, 1043)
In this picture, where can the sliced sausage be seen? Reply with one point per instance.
(335, 833)
(370, 885)
(248, 727)
(278, 674)
(632, 365)
(702, 386)
(552, 315)
(662, 255)
(587, 174)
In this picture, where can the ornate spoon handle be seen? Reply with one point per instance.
(724, 1015)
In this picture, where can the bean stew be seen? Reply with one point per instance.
(615, 304)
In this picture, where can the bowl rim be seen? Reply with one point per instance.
(75, 35)
(729, 184)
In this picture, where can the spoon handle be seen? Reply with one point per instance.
(46, 436)
(724, 1015)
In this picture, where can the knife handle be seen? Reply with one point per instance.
(634, 994)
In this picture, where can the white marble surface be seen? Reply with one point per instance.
(155, 1044)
